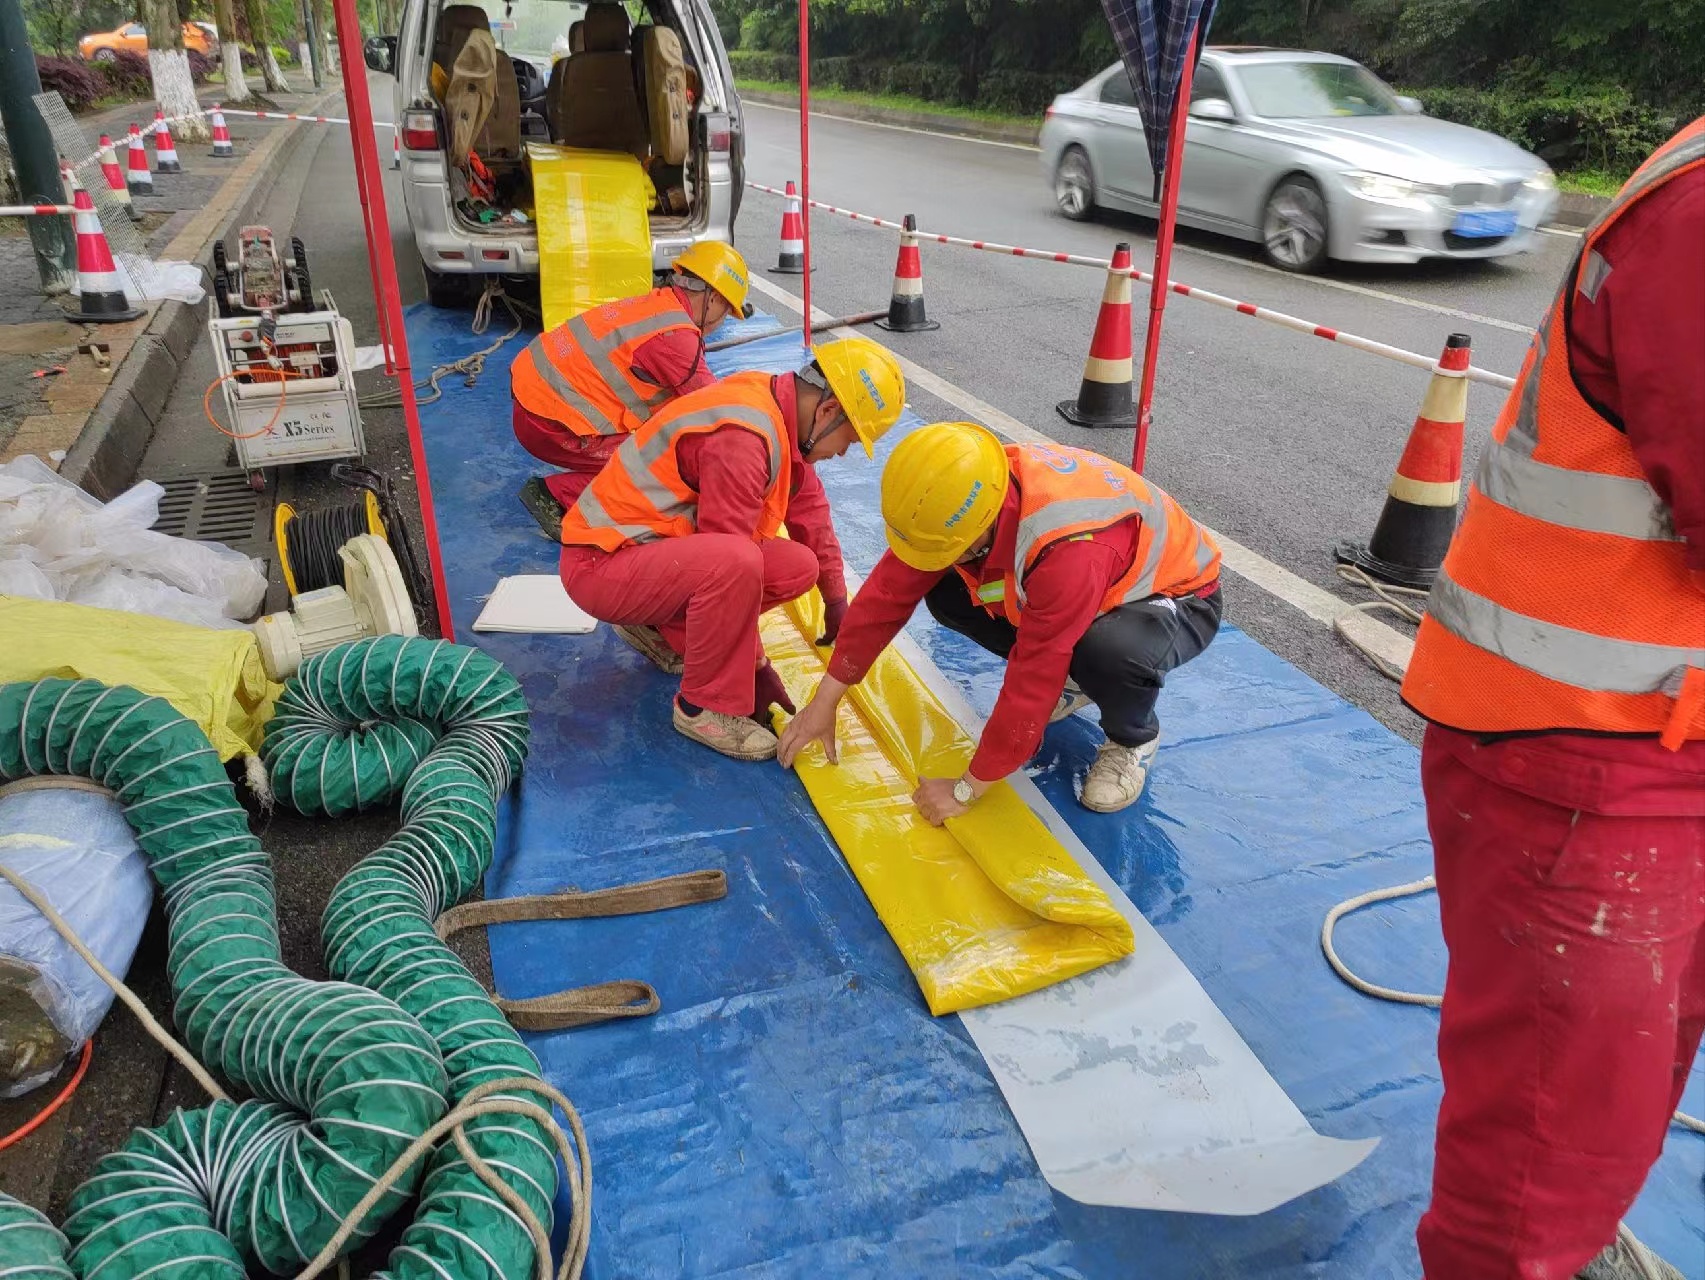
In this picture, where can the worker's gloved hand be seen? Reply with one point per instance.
(771, 692)
(834, 613)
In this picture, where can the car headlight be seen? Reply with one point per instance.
(1382, 186)
(1544, 180)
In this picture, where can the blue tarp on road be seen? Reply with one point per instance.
(794, 1111)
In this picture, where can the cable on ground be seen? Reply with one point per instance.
(1392, 599)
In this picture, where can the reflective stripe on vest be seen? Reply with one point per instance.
(637, 457)
(1040, 527)
(601, 352)
(1565, 602)
(606, 402)
(564, 390)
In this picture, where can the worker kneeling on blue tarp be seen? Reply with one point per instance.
(1091, 582)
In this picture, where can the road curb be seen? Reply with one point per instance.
(959, 126)
(109, 450)
(1576, 209)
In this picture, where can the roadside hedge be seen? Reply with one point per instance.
(1607, 131)
(1019, 93)
(77, 82)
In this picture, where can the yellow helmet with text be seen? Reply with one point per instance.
(941, 491)
(720, 266)
(865, 380)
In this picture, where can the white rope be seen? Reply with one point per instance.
(471, 366)
(1392, 599)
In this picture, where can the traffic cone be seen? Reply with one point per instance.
(115, 177)
(137, 175)
(1414, 530)
(906, 303)
(396, 148)
(100, 288)
(165, 151)
(222, 148)
(791, 261)
(1104, 398)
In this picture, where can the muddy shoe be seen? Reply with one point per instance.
(650, 642)
(543, 507)
(1619, 1263)
(736, 737)
(1072, 700)
(1116, 778)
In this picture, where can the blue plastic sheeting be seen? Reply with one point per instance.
(794, 1111)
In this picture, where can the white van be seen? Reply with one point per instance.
(580, 79)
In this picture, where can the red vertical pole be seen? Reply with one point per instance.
(1163, 250)
(388, 296)
(805, 154)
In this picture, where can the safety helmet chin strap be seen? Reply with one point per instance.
(812, 376)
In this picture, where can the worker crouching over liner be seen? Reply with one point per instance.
(677, 541)
(1089, 580)
(581, 387)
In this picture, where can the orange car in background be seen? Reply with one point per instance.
(102, 46)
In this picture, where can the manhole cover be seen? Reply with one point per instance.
(216, 506)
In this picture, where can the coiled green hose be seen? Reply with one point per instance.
(31, 1247)
(441, 725)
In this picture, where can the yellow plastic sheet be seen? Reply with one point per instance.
(594, 229)
(987, 908)
(215, 678)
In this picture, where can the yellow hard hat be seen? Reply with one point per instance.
(865, 379)
(941, 491)
(718, 265)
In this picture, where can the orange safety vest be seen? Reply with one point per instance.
(581, 373)
(1565, 601)
(1071, 493)
(640, 495)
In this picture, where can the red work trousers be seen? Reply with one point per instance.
(704, 592)
(1571, 875)
(580, 457)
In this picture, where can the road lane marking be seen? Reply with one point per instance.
(817, 114)
(1276, 580)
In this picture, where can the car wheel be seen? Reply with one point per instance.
(445, 290)
(105, 55)
(1074, 185)
(1293, 228)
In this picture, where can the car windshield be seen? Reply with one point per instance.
(1305, 90)
(528, 28)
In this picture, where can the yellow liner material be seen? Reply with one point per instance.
(215, 678)
(594, 229)
(988, 908)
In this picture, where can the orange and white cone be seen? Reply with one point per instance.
(100, 288)
(137, 175)
(396, 148)
(222, 148)
(115, 176)
(1104, 398)
(906, 303)
(165, 150)
(791, 260)
(1415, 528)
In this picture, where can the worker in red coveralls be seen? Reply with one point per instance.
(1091, 582)
(581, 387)
(1562, 669)
(676, 541)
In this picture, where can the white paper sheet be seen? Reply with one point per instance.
(533, 602)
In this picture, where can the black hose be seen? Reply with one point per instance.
(312, 539)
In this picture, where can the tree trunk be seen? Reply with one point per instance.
(260, 31)
(322, 54)
(168, 66)
(230, 52)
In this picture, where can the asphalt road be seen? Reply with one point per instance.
(1284, 442)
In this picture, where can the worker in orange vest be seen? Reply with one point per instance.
(1561, 668)
(582, 386)
(676, 541)
(1091, 582)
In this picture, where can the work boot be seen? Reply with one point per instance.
(650, 642)
(1072, 700)
(542, 505)
(1619, 1263)
(1116, 778)
(737, 737)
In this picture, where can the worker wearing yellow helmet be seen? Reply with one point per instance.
(677, 541)
(1090, 581)
(582, 386)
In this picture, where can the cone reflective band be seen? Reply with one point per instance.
(165, 152)
(906, 302)
(791, 260)
(100, 288)
(114, 175)
(1104, 398)
(1414, 529)
(222, 148)
(137, 174)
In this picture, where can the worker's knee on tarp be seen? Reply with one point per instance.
(1128, 648)
(790, 569)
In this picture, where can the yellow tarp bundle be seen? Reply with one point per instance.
(215, 678)
(987, 908)
(594, 229)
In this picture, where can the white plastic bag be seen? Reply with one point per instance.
(146, 279)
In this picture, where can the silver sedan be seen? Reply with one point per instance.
(1308, 154)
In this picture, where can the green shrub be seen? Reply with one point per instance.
(1605, 130)
(756, 64)
(77, 81)
(770, 31)
(1020, 93)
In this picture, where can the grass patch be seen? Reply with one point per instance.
(891, 101)
(1591, 182)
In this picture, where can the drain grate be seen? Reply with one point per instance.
(217, 506)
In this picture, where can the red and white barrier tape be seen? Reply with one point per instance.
(34, 210)
(120, 142)
(291, 115)
(1280, 318)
